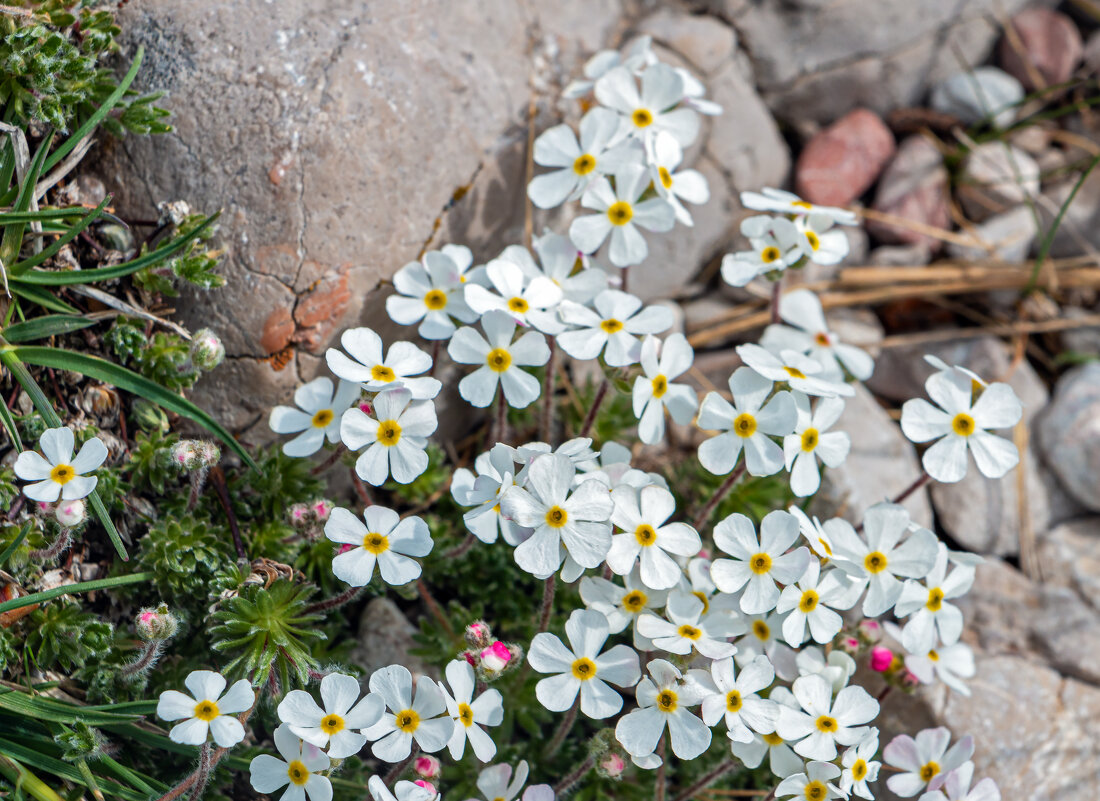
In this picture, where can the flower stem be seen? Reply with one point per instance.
(777, 290)
(399, 768)
(461, 548)
(703, 517)
(333, 458)
(360, 487)
(190, 781)
(149, 655)
(435, 355)
(203, 772)
(922, 479)
(706, 780)
(659, 785)
(562, 730)
(335, 601)
(546, 424)
(501, 428)
(222, 491)
(434, 607)
(56, 548)
(547, 602)
(566, 784)
(590, 418)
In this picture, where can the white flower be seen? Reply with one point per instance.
(620, 214)
(496, 474)
(395, 437)
(782, 761)
(650, 111)
(332, 726)
(59, 475)
(687, 628)
(500, 359)
(597, 153)
(960, 424)
(816, 784)
(811, 602)
(636, 58)
(563, 264)
(664, 700)
(823, 721)
(408, 719)
(206, 709)
(883, 555)
(774, 243)
(582, 668)
(654, 391)
(777, 200)
(977, 382)
(386, 539)
(757, 564)
(812, 440)
(748, 423)
(762, 638)
(736, 700)
(675, 187)
(403, 791)
(623, 606)
(694, 92)
(798, 371)
(956, 787)
(467, 712)
(298, 768)
(367, 366)
(860, 767)
(924, 761)
(927, 603)
(494, 785)
(320, 416)
(808, 332)
(613, 327)
(512, 291)
(647, 537)
(950, 665)
(836, 668)
(819, 241)
(579, 520)
(431, 292)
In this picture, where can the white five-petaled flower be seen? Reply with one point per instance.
(664, 699)
(496, 473)
(735, 698)
(774, 243)
(654, 390)
(757, 564)
(956, 787)
(687, 628)
(431, 292)
(646, 113)
(961, 424)
(636, 58)
(823, 722)
(881, 555)
(423, 719)
(811, 602)
(578, 519)
(500, 359)
(317, 416)
(620, 214)
(675, 187)
(780, 202)
(819, 241)
(800, 372)
(763, 638)
(575, 163)
(860, 767)
(647, 538)
(611, 327)
(469, 713)
(924, 761)
(209, 709)
(816, 784)
(364, 364)
(395, 437)
(59, 475)
(812, 440)
(562, 263)
(927, 603)
(333, 726)
(748, 423)
(402, 791)
(582, 668)
(806, 331)
(782, 761)
(298, 770)
(949, 664)
(513, 292)
(494, 784)
(385, 540)
(623, 606)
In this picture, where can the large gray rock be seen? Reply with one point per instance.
(978, 94)
(995, 178)
(1069, 434)
(1006, 236)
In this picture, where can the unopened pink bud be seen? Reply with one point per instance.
(69, 513)
(910, 680)
(469, 657)
(322, 508)
(881, 659)
(496, 656)
(427, 786)
(344, 548)
(478, 634)
(612, 766)
(365, 408)
(426, 767)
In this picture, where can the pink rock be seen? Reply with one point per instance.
(842, 161)
(1051, 46)
(914, 186)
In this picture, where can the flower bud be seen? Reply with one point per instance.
(365, 408)
(427, 786)
(156, 624)
(496, 657)
(207, 350)
(611, 766)
(322, 508)
(427, 767)
(881, 659)
(909, 681)
(870, 630)
(478, 634)
(70, 514)
(850, 645)
(300, 515)
(149, 416)
(195, 454)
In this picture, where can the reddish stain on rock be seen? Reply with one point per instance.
(842, 161)
(277, 331)
(320, 310)
(1051, 46)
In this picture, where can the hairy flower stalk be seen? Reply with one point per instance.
(703, 517)
(562, 731)
(55, 549)
(594, 409)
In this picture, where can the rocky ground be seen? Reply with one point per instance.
(342, 138)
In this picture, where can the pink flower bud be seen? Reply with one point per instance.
(469, 657)
(426, 767)
(156, 624)
(881, 659)
(344, 548)
(612, 766)
(322, 508)
(870, 630)
(427, 786)
(909, 680)
(70, 513)
(365, 408)
(496, 657)
(478, 634)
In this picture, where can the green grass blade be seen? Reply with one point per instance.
(5, 555)
(49, 215)
(8, 423)
(70, 589)
(40, 707)
(13, 234)
(38, 760)
(47, 300)
(1048, 239)
(72, 233)
(46, 326)
(26, 781)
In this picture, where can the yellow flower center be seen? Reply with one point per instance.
(666, 701)
(802, 204)
(824, 546)
(298, 773)
(933, 655)
(689, 632)
(809, 439)
(808, 603)
(875, 562)
(745, 425)
(816, 791)
(611, 326)
(929, 770)
(963, 424)
(499, 360)
(935, 600)
(436, 299)
(645, 535)
(761, 629)
(389, 433)
(376, 543)
(320, 420)
(760, 564)
(811, 237)
(769, 254)
(634, 601)
(407, 720)
(466, 715)
(331, 724)
(772, 739)
(206, 710)
(642, 117)
(660, 386)
(584, 164)
(556, 517)
(859, 769)
(584, 669)
(620, 213)
(382, 373)
(822, 339)
(62, 474)
(665, 176)
(734, 701)
(826, 724)
(794, 372)
(704, 599)
(518, 305)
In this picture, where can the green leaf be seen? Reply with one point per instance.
(72, 233)
(70, 589)
(46, 300)
(13, 235)
(46, 326)
(36, 759)
(5, 555)
(109, 373)
(9, 426)
(47, 215)
(62, 277)
(40, 707)
(1048, 239)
